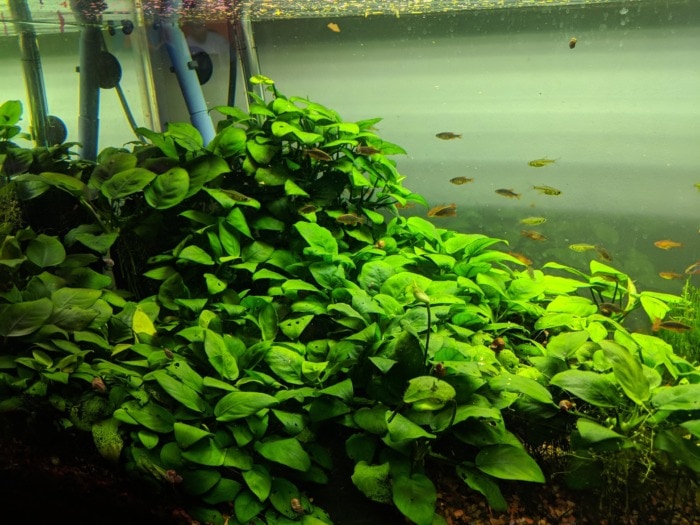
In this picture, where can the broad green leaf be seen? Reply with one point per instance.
(293, 327)
(196, 255)
(68, 183)
(373, 481)
(223, 492)
(401, 428)
(428, 393)
(205, 169)
(259, 481)
(45, 251)
(628, 372)
(521, 385)
(100, 243)
(485, 485)
(152, 416)
(219, 355)
(591, 387)
(592, 432)
(565, 344)
(508, 462)
(187, 435)
(287, 452)
(127, 182)
(24, 318)
(168, 189)
(319, 239)
(237, 405)
(229, 142)
(282, 129)
(179, 391)
(679, 397)
(415, 496)
(81, 297)
(247, 506)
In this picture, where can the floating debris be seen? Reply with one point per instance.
(572, 42)
(333, 27)
(547, 190)
(443, 210)
(508, 193)
(535, 236)
(539, 163)
(458, 181)
(448, 135)
(667, 244)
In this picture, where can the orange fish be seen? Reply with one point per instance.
(667, 244)
(672, 326)
(535, 236)
(443, 210)
(521, 258)
(333, 27)
(671, 275)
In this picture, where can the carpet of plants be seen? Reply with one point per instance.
(236, 324)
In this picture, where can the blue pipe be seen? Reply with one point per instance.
(184, 67)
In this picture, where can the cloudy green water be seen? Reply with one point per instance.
(620, 112)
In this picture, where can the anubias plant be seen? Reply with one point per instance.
(213, 310)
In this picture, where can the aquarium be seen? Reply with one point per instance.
(361, 261)
(569, 128)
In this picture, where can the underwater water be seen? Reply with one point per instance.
(617, 109)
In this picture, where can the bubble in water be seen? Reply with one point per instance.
(624, 11)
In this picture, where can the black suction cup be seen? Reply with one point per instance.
(109, 70)
(56, 130)
(205, 67)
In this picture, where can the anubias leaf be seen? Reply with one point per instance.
(415, 497)
(287, 451)
(508, 462)
(237, 405)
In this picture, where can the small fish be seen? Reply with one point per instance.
(547, 190)
(333, 27)
(667, 244)
(533, 221)
(581, 247)
(693, 269)
(443, 210)
(523, 259)
(607, 309)
(308, 208)
(603, 253)
(671, 275)
(350, 219)
(508, 193)
(448, 135)
(539, 163)
(458, 181)
(317, 154)
(406, 206)
(535, 236)
(366, 150)
(572, 42)
(61, 22)
(672, 326)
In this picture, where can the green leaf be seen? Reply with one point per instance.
(319, 239)
(126, 183)
(288, 452)
(282, 129)
(428, 393)
(100, 243)
(45, 251)
(247, 506)
(196, 255)
(24, 318)
(220, 357)
(485, 485)
(293, 327)
(592, 432)
(259, 481)
(152, 416)
(591, 387)
(628, 372)
(168, 189)
(187, 435)
(67, 183)
(521, 385)
(205, 169)
(508, 462)
(229, 141)
(183, 393)
(415, 496)
(373, 481)
(679, 397)
(237, 405)
(401, 428)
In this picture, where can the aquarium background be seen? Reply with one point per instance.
(619, 112)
